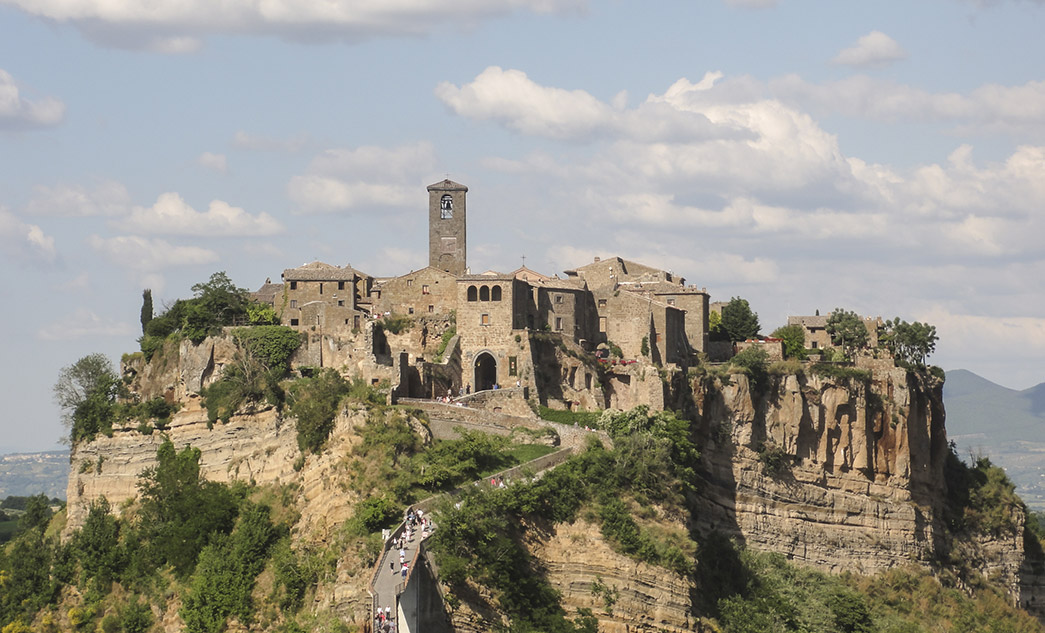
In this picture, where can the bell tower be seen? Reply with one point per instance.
(447, 234)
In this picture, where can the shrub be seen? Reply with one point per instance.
(270, 345)
(843, 372)
(395, 323)
(375, 514)
(314, 403)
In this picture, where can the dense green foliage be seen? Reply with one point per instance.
(224, 579)
(270, 345)
(847, 330)
(981, 497)
(146, 315)
(739, 322)
(314, 402)
(909, 342)
(794, 338)
(86, 391)
(752, 361)
(262, 361)
(216, 303)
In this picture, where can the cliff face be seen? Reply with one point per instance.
(837, 473)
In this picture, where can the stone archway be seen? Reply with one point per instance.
(485, 371)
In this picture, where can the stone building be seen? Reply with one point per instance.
(447, 227)
(334, 294)
(496, 315)
(429, 290)
(816, 336)
(491, 311)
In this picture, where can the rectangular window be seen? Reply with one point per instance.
(321, 287)
(293, 285)
(340, 303)
(814, 344)
(424, 289)
(513, 365)
(409, 310)
(431, 308)
(340, 285)
(558, 324)
(602, 324)
(484, 319)
(409, 282)
(293, 321)
(558, 298)
(602, 303)
(671, 302)
(293, 303)
(355, 322)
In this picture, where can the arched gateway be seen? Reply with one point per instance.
(485, 371)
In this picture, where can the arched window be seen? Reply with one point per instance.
(484, 293)
(473, 293)
(446, 207)
(495, 293)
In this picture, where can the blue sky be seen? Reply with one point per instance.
(884, 157)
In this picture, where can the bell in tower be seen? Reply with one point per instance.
(447, 234)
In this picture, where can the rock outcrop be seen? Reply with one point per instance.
(841, 473)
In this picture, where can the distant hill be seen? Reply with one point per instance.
(1005, 424)
(24, 474)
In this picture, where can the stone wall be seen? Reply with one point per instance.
(428, 291)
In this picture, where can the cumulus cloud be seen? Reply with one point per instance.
(179, 26)
(344, 179)
(144, 256)
(17, 112)
(106, 199)
(171, 215)
(83, 323)
(25, 242)
(511, 98)
(217, 162)
(874, 50)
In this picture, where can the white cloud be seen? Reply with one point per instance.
(81, 324)
(260, 143)
(17, 112)
(874, 50)
(25, 242)
(171, 215)
(144, 256)
(178, 26)
(520, 104)
(217, 162)
(367, 176)
(106, 199)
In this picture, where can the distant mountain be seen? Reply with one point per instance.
(24, 474)
(984, 418)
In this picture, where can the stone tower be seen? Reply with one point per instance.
(447, 234)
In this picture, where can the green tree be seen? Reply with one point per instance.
(180, 510)
(739, 322)
(146, 308)
(37, 514)
(96, 545)
(314, 403)
(794, 337)
(224, 578)
(847, 330)
(909, 342)
(86, 392)
(715, 331)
